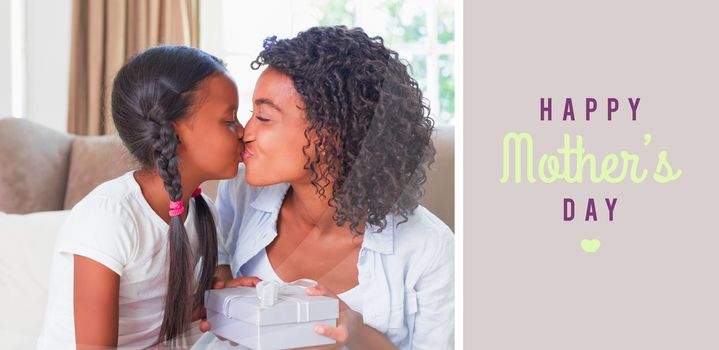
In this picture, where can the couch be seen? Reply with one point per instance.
(44, 173)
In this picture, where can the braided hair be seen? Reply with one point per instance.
(151, 92)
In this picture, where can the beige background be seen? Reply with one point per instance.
(654, 282)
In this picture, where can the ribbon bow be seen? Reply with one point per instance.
(269, 291)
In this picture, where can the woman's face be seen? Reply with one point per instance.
(274, 135)
(210, 138)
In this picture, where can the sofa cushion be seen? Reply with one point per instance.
(439, 188)
(94, 160)
(25, 259)
(33, 166)
(25, 263)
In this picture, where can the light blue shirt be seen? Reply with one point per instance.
(406, 272)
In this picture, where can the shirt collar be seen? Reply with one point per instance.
(270, 200)
(381, 242)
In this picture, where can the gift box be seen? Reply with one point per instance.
(272, 316)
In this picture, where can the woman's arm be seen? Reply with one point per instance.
(363, 337)
(370, 338)
(223, 273)
(434, 320)
(351, 330)
(96, 304)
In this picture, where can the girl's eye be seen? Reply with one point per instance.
(232, 124)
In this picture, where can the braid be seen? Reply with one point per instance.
(178, 306)
(166, 160)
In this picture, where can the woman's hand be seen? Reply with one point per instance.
(350, 330)
(349, 323)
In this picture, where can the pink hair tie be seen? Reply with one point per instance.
(176, 208)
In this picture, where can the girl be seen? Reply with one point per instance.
(335, 157)
(125, 260)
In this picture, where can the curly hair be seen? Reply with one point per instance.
(368, 120)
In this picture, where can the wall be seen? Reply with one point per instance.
(47, 28)
(5, 60)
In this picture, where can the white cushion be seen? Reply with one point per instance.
(26, 245)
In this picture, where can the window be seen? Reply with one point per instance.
(17, 59)
(421, 31)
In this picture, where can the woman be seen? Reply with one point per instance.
(335, 157)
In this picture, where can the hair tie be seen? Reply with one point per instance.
(176, 208)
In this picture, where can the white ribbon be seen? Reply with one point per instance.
(270, 292)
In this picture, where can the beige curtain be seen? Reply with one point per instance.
(105, 33)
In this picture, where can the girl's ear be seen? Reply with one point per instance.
(181, 128)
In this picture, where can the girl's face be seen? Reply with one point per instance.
(210, 138)
(274, 135)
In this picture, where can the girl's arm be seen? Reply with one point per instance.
(96, 304)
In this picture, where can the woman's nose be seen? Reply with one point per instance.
(248, 130)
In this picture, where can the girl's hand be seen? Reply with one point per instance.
(237, 282)
(220, 284)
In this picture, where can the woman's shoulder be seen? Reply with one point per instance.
(420, 243)
(421, 227)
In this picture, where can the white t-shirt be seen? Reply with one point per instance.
(115, 226)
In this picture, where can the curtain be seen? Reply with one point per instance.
(105, 33)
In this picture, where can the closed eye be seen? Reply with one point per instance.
(260, 118)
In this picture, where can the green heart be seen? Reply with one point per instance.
(590, 245)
